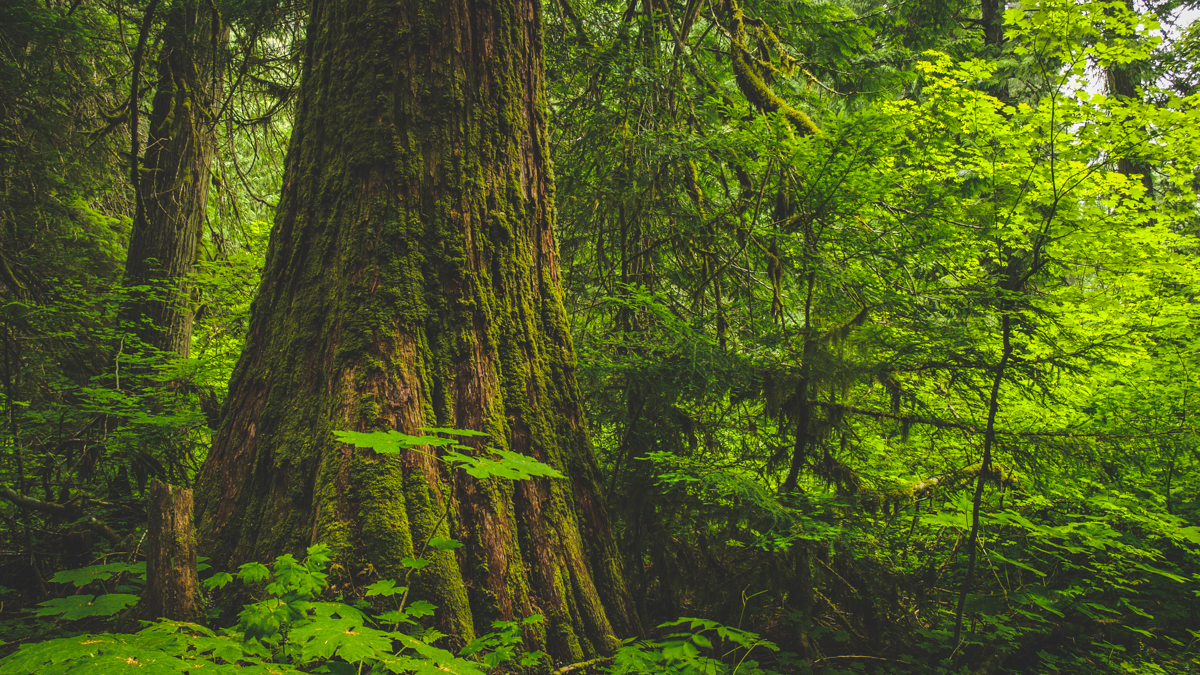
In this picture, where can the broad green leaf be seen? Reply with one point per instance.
(388, 442)
(436, 661)
(218, 580)
(510, 465)
(85, 575)
(946, 519)
(395, 616)
(54, 651)
(253, 572)
(1150, 568)
(317, 556)
(454, 432)
(348, 638)
(91, 654)
(429, 635)
(386, 588)
(1191, 534)
(338, 609)
(224, 648)
(414, 563)
(82, 606)
(997, 556)
(420, 608)
(261, 620)
(680, 650)
(444, 544)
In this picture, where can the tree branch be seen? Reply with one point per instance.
(583, 664)
(946, 424)
(52, 508)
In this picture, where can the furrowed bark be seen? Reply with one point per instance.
(173, 178)
(412, 281)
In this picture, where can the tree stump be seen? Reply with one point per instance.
(171, 588)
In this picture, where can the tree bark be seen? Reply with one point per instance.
(171, 576)
(1122, 81)
(412, 281)
(992, 20)
(173, 181)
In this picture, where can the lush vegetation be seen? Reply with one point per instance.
(885, 316)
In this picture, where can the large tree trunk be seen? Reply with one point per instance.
(173, 179)
(412, 281)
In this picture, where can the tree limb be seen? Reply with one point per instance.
(55, 509)
(583, 664)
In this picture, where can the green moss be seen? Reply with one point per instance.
(898, 498)
(561, 633)
(756, 90)
(406, 287)
(441, 579)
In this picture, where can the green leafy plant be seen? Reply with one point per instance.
(292, 627)
(289, 630)
(694, 647)
(82, 606)
(492, 463)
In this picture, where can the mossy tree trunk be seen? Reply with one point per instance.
(172, 180)
(412, 281)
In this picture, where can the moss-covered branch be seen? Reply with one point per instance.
(752, 85)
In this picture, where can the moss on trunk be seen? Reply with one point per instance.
(412, 281)
(173, 179)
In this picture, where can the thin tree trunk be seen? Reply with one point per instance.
(412, 281)
(173, 179)
(984, 475)
(785, 210)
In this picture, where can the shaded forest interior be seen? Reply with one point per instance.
(600, 336)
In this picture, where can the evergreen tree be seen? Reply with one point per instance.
(172, 181)
(412, 282)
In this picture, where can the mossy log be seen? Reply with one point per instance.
(894, 499)
(412, 281)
